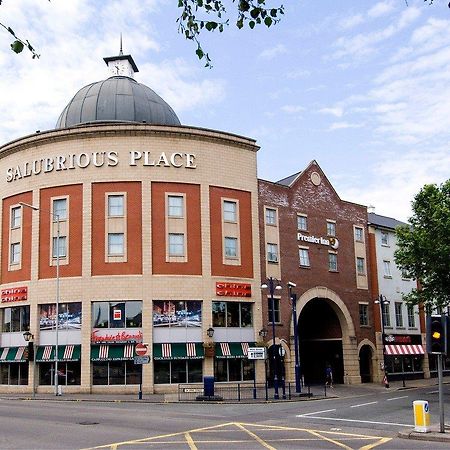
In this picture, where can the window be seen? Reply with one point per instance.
(234, 369)
(303, 254)
(271, 216)
(231, 247)
(359, 236)
(360, 266)
(272, 253)
(363, 314)
(115, 244)
(59, 250)
(16, 319)
(302, 222)
(116, 373)
(69, 316)
(232, 314)
(60, 209)
(176, 244)
(116, 205)
(411, 316)
(398, 314)
(15, 253)
(186, 314)
(332, 262)
(331, 228)
(14, 373)
(178, 371)
(126, 314)
(229, 211)
(69, 373)
(16, 217)
(384, 238)
(386, 315)
(175, 206)
(275, 313)
(387, 268)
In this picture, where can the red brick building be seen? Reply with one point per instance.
(313, 238)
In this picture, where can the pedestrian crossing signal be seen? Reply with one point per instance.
(437, 334)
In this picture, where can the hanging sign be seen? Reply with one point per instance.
(18, 294)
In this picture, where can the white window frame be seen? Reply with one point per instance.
(398, 314)
(175, 210)
(229, 208)
(302, 219)
(228, 240)
(303, 256)
(272, 252)
(359, 234)
(364, 315)
(384, 238)
(62, 247)
(271, 216)
(15, 253)
(360, 265)
(331, 228)
(57, 213)
(385, 310)
(411, 316)
(387, 268)
(16, 217)
(116, 210)
(114, 247)
(332, 265)
(176, 244)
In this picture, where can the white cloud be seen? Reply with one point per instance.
(299, 73)
(350, 22)
(292, 109)
(380, 9)
(336, 111)
(272, 52)
(343, 125)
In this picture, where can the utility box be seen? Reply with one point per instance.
(208, 386)
(421, 416)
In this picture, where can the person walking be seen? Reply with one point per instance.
(329, 376)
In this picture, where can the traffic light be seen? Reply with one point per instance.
(30, 351)
(437, 334)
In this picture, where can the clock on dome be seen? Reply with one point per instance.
(121, 65)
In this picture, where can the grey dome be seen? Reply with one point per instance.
(118, 99)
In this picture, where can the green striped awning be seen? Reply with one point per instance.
(13, 354)
(186, 350)
(70, 352)
(232, 350)
(116, 352)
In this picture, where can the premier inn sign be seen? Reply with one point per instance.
(329, 241)
(99, 159)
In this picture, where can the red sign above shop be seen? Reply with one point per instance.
(123, 336)
(233, 289)
(18, 294)
(398, 339)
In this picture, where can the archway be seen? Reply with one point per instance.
(320, 337)
(365, 363)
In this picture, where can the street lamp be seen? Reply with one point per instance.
(210, 332)
(274, 285)
(55, 218)
(293, 299)
(381, 300)
(29, 339)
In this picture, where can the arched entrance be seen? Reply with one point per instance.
(275, 358)
(365, 363)
(320, 335)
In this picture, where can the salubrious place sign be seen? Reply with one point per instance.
(329, 241)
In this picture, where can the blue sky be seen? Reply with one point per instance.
(363, 87)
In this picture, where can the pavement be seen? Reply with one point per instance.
(319, 392)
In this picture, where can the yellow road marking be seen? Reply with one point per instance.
(340, 444)
(190, 442)
(376, 444)
(253, 435)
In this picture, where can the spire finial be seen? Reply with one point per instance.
(120, 51)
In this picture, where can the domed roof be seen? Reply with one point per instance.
(119, 99)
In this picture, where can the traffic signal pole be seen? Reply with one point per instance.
(441, 395)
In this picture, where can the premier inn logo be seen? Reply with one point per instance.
(329, 241)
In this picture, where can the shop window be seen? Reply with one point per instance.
(272, 253)
(16, 217)
(175, 206)
(234, 369)
(331, 228)
(69, 373)
(302, 222)
(232, 314)
(229, 211)
(116, 205)
(177, 314)
(271, 216)
(126, 314)
(116, 373)
(178, 371)
(69, 316)
(16, 319)
(274, 315)
(14, 374)
(363, 314)
(59, 209)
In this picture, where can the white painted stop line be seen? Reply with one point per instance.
(363, 404)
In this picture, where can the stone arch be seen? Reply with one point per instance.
(367, 368)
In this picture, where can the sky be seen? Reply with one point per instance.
(362, 87)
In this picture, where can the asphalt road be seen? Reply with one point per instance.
(363, 419)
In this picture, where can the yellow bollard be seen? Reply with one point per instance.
(421, 416)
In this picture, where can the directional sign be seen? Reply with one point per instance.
(141, 349)
(256, 353)
(141, 359)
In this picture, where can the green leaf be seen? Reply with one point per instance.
(240, 23)
(251, 24)
(268, 21)
(199, 53)
(180, 3)
(211, 26)
(17, 46)
(255, 12)
(273, 12)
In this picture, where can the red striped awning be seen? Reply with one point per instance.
(404, 349)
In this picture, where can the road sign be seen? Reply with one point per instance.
(141, 359)
(141, 349)
(256, 353)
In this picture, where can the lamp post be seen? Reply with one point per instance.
(55, 218)
(381, 300)
(274, 285)
(293, 299)
(29, 339)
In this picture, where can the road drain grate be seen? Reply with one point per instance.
(87, 423)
